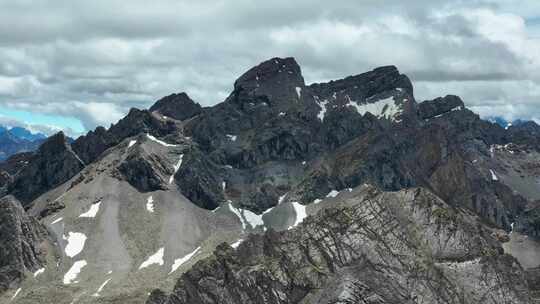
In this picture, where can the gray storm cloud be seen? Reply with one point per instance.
(93, 60)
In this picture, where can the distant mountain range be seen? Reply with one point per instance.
(17, 139)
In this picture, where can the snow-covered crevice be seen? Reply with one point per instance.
(179, 262)
(72, 274)
(176, 168)
(247, 217)
(322, 105)
(150, 204)
(493, 175)
(131, 143)
(75, 243)
(384, 108)
(38, 272)
(92, 212)
(237, 243)
(253, 219)
(299, 92)
(58, 220)
(16, 294)
(301, 214)
(156, 258)
(100, 289)
(160, 141)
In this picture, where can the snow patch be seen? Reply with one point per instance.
(332, 193)
(73, 272)
(179, 262)
(301, 214)
(16, 293)
(94, 209)
(493, 175)
(101, 288)
(176, 168)
(160, 141)
(237, 243)
(237, 212)
(384, 108)
(150, 204)
(58, 220)
(512, 227)
(253, 219)
(281, 114)
(322, 105)
(156, 258)
(316, 201)
(75, 243)
(299, 92)
(39, 271)
(247, 217)
(231, 137)
(131, 143)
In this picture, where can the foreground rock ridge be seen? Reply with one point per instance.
(400, 247)
(348, 191)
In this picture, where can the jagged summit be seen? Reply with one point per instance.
(178, 106)
(438, 106)
(272, 70)
(276, 83)
(54, 163)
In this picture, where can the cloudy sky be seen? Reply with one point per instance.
(73, 65)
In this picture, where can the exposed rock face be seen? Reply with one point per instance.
(533, 279)
(53, 164)
(15, 163)
(21, 243)
(527, 133)
(93, 144)
(438, 106)
(368, 250)
(199, 180)
(177, 106)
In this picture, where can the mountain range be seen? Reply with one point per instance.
(17, 139)
(349, 191)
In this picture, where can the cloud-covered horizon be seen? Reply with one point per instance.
(93, 60)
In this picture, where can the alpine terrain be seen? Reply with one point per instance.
(343, 192)
(17, 139)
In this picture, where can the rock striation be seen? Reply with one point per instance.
(22, 243)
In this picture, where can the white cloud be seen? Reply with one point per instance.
(96, 59)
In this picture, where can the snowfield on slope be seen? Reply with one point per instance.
(73, 272)
(156, 258)
(179, 262)
(93, 211)
(75, 243)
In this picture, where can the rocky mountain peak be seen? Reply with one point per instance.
(277, 81)
(56, 143)
(439, 105)
(178, 106)
(53, 163)
(275, 69)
